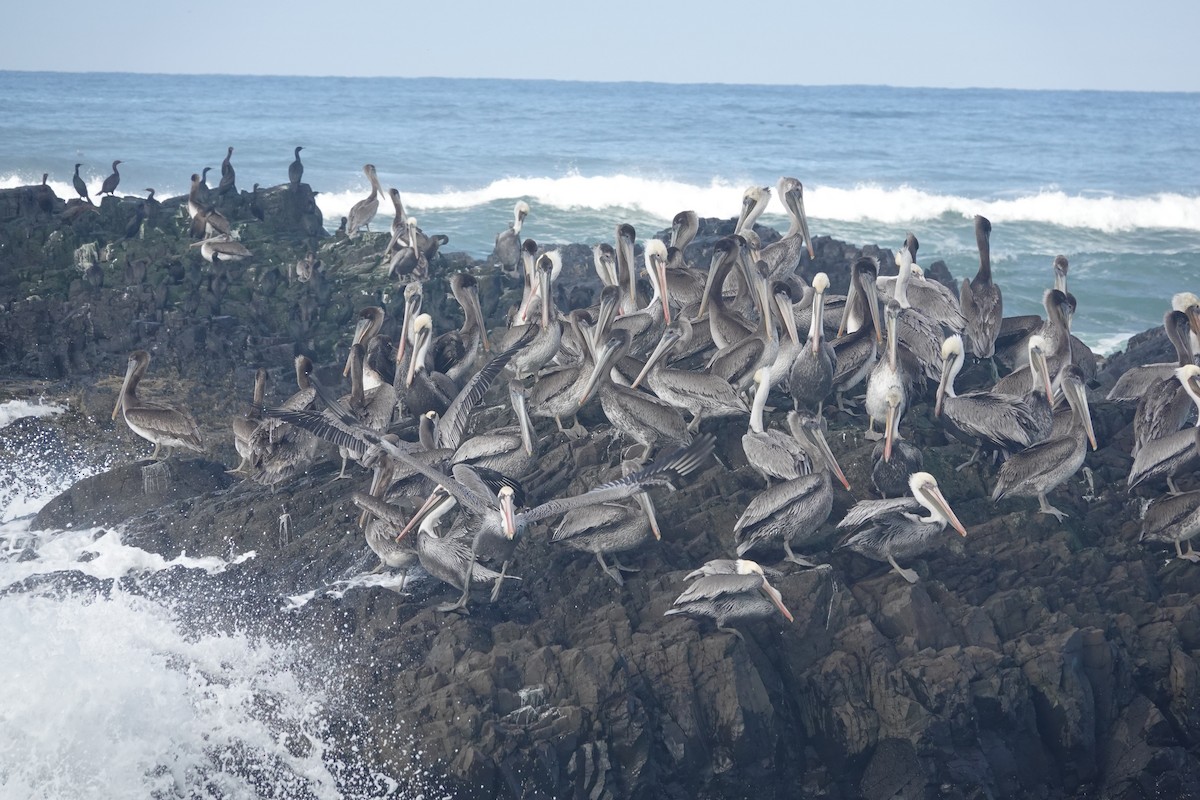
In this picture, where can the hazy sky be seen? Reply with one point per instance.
(1029, 44)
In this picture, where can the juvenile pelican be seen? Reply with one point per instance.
(1175, 519)
(282, 450)
(1164, 406)
(1173, 453)
(982, 304)
(891, 529)
(783, 256)
(1036, 470)
(162, 424)
(793, 511)
(362, 212)
(244, 426)
(754, 203)
(886, 376)
(615, 527)
(744, 595)
(508, 242)
(772, 453)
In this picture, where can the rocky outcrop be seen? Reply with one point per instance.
(1032, 659)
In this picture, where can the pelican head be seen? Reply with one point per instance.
(1060, 273)
(520, 212)
(895, 408)
(1189, 304)
(820, 282)
(683, 228)
(656, 268)
(952, 359)
(1074, 386)
(422, 334)
(924, 488)
(808, 431)
(1038, 347)
(744, 566)
(507, 511)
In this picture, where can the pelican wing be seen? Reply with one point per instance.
(589, 520)
(865, 511)
(710, 587)
(387, 512)
(767, 503)
(488, 444)
(1032, 463)
(1166, 514)
(453, 424)
(165, 420)
(1161, 456)
(1002, 420)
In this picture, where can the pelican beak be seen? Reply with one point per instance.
(818, 322)
(526, 425)
(795, 199)
(660, 350)
(873, 308)
(660, 267)
(509, 515)
(941, 390)
(783, 304)
(713, 266)
(545, 284)
(473, 308)
(603, 366)
(418, 347)
(360, 333)
(777, 598)
(1193, 315)
(379, 481)
(435, 497)
(124, 385)
(892, 323)
(1039, 356)
(851, 293)
(647, 505)
(818, 438)
(934, 495)
(412, 305)
(1081, 406)
(889, 432)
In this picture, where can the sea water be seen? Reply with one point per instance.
(1108, 179)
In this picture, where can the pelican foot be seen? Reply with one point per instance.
(974, 459)
(872, 435)
(285, 527)
(734, 631)
(846, 406)
(909, 575)
(615, 574)
(801, 561)
(624, 568)
(1191, 556)
(380, 567)
(1172, 489)
(1046, 508)
(459, 607)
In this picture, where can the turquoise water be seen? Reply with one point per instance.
(1107, 178)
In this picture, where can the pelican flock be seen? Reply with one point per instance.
(694, 333)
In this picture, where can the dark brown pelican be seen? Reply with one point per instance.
(981, 418)
(282, 450)
(456, 353)
(1056, 344)
(370, 322)
(507, 251)
(1164, 406)
(891, 529)
(638, 416)
(227, 175)
(745, 595)
(509, 451)
(296, 169)
(1173, 453)
(1174, 519)
(162, 424)
(857, 351)
(362, 212)
(725, 324)
(372, 409)
(700, 392)
(1036, 470)
(982, 304)
(246, 424)
(79, 184)
(791, 512)
(783, 256)
(399, 223)
(110, 183)
(811, 378)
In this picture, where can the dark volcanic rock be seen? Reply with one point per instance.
(1032, 659)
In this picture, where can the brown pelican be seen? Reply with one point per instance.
(227, 175)
(1056, 344)
(399, 223)
(626, 271)
(891, 529)
(1174, 452)
(892, 468)
(744, 595)
(557, 391)
(282, 450)
(162, 424)
(637, 415)
(700, 392)
(1164, 406)
(772, 453)
(507, 251)
(79, 185)
(544, 346)
(370, 322)
(498, 524)
(409, 259)
(783, 256)
(986, 419)
(222, 247)
(296, 169)
(684, 227)
(737, 361)
(725, 324)
(110, 183)
(246, 424)
(794, 510)
(604, 261)
(857, 351)
(1189, 304)
(509, 451)
(457, 352)
(811, 378)
(911, 289)
(982, 304)
(1134, 382)
(614, 527)
(372, 409)
(1174, 519)
(423, 389)
(1036, 470)
(754, 203)
(380, 531)
(362, 212)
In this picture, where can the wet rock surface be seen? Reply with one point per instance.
(1032, 659)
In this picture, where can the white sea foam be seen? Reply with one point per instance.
(14, 410)
(721, 197)
(338, 589)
